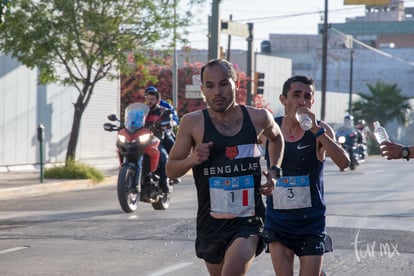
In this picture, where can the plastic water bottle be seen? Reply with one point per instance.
(380, 133)
(304, 120)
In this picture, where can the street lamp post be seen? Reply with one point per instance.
(324, 60)
(174, 69)
(214, 31)
(350, 81)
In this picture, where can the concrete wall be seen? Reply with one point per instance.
(24, 105)
(277, 70)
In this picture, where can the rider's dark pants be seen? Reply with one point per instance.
(168, 141)
(161, 167)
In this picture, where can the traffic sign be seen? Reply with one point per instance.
(233, 28)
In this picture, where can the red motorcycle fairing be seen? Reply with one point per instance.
(154, 155)
(133, 147)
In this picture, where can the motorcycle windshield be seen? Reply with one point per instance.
(135, 115)
(344, 131)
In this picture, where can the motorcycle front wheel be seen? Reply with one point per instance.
(163, 202)
(128, 195)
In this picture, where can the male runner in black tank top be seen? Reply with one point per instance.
(220, 145)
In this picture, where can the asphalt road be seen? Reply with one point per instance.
(85, 232)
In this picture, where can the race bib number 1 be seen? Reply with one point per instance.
(232, 197)
(292, 192)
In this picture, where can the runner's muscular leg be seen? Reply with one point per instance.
(310, 265)
(214, 269)
(240, 255)
(282, 259)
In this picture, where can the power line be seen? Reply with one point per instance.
(372, 48)
(279, 17)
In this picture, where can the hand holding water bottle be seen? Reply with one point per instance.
(380, 133)
(304, 119)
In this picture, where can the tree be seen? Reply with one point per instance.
(4, 9)
(384, 104)
(88, 40)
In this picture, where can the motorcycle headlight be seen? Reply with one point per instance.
(144, 138)
(121, 138)
(341, 139)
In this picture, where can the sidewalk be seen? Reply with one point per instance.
(19, 181)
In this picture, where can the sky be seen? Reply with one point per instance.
(271, 16)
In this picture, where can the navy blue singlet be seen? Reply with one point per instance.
(300, 159)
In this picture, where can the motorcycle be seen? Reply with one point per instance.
(138, 154)
(361, 147)
(347, 137)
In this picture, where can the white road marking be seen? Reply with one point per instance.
(170, 269)
(379, 198)
(383, 223)
(13, 249)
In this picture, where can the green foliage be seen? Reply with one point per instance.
(385, 103)
(4, 9)
(85, 37)
(74, 170)
(78, 43)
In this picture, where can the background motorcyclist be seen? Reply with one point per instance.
(363, 135)
(167, 105)
(350, 133)
(154, 121)
(168, 136)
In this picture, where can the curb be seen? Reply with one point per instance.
(53, 187)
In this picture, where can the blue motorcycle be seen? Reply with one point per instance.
(347, 137)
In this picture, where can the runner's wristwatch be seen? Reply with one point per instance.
(277, 170)
(405, 153)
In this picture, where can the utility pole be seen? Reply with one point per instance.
(214, 31)
(324, 60)
(246, 31)
(174, 69)
(229, 41)
(249, 73)
(350, 81)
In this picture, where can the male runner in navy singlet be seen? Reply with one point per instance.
(220, 145)
(295, 212)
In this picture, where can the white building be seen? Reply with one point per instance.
(24, 105)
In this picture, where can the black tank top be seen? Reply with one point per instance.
(230, 156)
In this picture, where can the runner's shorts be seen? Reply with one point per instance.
(212, 247)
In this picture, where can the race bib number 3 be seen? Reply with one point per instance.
(232, 197)
(292, 192)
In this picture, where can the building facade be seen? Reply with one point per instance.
(24, 105)
(364, 50)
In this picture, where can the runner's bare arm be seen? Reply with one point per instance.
(267, 127)
(274, 135)
(188, 150)
(327, 143)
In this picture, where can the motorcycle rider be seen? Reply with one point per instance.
(168, 133)
(349, 132)
(155, 116)
(169, 137)
(167, 105)
(363, 134)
